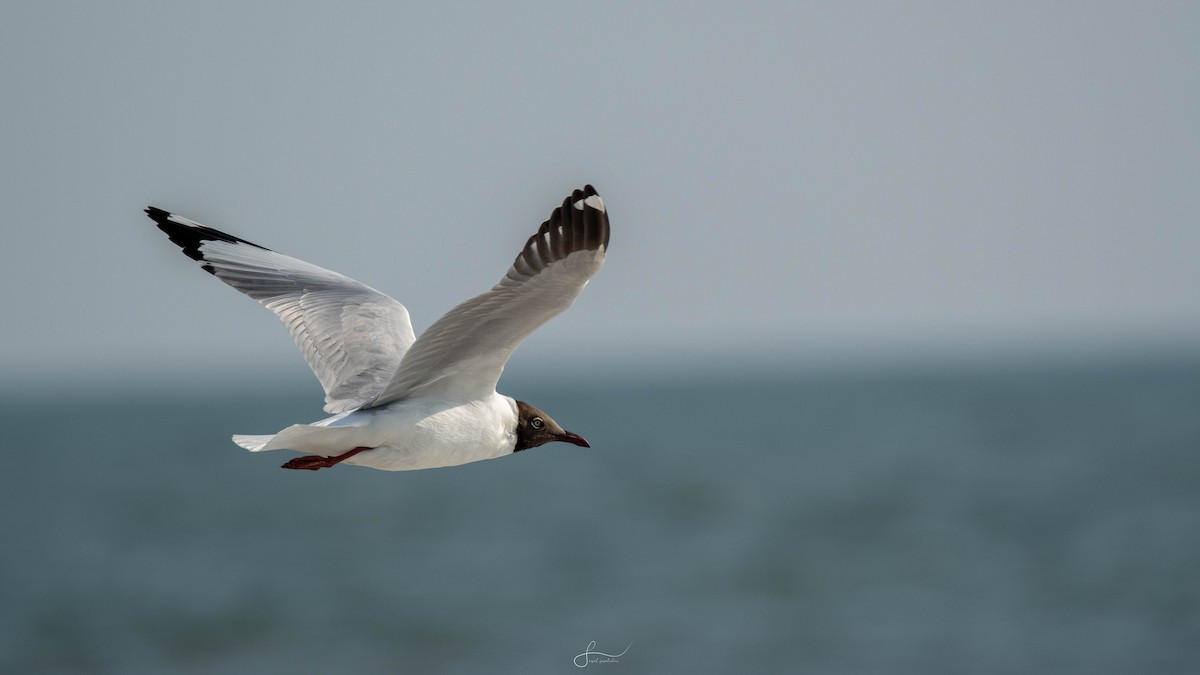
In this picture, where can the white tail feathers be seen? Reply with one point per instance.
(252, 443)
(314, 439)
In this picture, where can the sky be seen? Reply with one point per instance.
(785, 181)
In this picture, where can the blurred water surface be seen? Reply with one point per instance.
(984, 520)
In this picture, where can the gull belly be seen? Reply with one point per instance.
(428, 434)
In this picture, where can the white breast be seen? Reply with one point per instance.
(426, 434)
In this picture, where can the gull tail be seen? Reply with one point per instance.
(316, 439)
(252, 443)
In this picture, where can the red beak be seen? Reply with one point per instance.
(574, 439)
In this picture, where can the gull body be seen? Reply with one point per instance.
(404, 435)
(403, 403)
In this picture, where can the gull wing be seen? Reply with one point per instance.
(463, 353)
(352, 336)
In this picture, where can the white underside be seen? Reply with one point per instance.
(405, 435)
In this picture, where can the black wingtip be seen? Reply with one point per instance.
(189, 236)
(595, 231)
(575, 225)
(157, 214)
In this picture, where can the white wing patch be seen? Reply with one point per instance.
(593, 201)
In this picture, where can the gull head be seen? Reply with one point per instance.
(535, 427)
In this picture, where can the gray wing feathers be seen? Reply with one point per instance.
(352, 336)
(463, 353)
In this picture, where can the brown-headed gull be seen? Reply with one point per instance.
(402, 402)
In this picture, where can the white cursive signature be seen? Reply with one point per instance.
(589, 653)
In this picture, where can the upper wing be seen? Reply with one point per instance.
(352, 336)
(463, 353)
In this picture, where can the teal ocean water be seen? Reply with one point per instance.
(982, 520)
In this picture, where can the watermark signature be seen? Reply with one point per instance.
(590, 656)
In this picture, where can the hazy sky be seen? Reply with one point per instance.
(784, 179)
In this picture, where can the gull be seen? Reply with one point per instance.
(399, 402)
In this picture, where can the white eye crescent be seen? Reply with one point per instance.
(536, 423)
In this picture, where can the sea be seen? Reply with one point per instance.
(1032, 517)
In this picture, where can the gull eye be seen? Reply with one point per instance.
(537, 423)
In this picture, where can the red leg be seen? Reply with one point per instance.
(315, 462)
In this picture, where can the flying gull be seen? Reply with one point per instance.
(400, 402)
